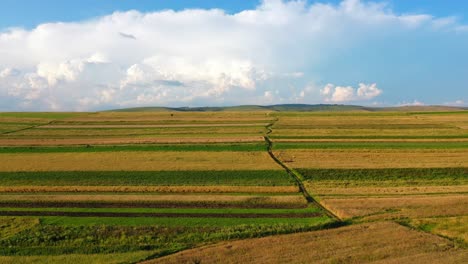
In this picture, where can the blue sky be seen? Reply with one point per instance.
(82, 55)
(25, 13)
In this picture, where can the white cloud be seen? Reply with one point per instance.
(200, 57)
(340, 94)
(413, 103)
(456, 103)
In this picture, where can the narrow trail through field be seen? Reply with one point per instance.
(25, 128)
(294, 174)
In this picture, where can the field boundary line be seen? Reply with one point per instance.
(295, 175)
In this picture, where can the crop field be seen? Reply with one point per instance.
(180, 187)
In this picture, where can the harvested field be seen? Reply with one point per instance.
(127, 140)
(403, 206)
(383, 242)
(375, 190)
(372, 145)
(101, 126)
(137, 161)
(415, 132)
(151, 198)
(88, 200)
(374, 158)
(152, 189)
(65, 133)
(365, 140)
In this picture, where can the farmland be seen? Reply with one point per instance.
(167, 186)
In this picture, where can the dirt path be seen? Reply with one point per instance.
(294, 174)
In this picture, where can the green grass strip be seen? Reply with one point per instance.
(406, 174)
(147, 178)
(152, 147)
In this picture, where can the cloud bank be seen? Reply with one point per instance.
(196, 57)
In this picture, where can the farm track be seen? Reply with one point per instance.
(169, 215)
(294, 175)
(26, 128)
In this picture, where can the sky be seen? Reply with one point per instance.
(93, 55)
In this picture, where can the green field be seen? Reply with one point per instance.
(145, 178)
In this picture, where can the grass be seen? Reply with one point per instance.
(88, 235)
(147, 178)
(406, 174)
(143, 147)
(45, 115)
(116, 258)
(10, 226)
(452, 227)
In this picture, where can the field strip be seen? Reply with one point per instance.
(357, 140)
(420, 206)
(188, 215)
(157, 126)
(156, 189)
(366, 158)
(330, 191)
(152, 198)
(381, 242)
(126, 140)
(137, 161)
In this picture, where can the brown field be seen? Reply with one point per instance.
(134, 198)
(40, 133)
(323, 140)
(126, 140)
(402, 206)
(352, 158)
(157, 126)
(137, 161)
(152, 189)
(330, 190)
(318, 132)
(381, 242)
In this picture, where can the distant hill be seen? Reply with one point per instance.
(296, 107)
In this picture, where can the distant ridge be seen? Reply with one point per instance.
(296, 107)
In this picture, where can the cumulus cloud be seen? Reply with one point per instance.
(196, 57)
(339, 94)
